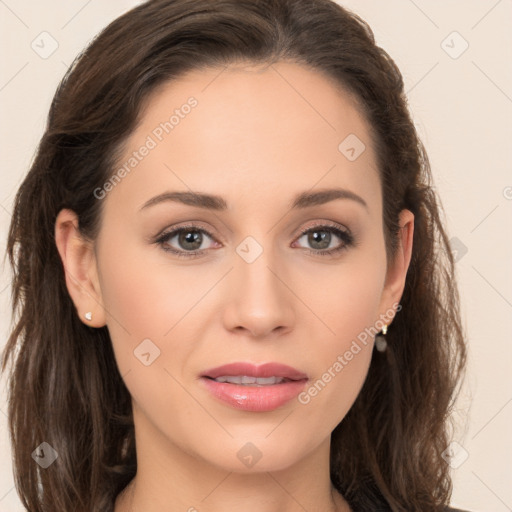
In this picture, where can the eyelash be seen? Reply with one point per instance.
(347, 238)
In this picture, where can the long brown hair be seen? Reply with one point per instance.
(64, 385)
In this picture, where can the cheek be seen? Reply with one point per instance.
(345, 297)
(346, 303)
(145, 296)
(154, 306)
(341, 357)
(142, 302)
(343, 353)
(151, 339)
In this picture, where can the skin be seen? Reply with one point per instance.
(258, 136)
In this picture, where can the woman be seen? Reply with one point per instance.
(304, 352)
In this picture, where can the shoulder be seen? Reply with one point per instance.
(451, 509)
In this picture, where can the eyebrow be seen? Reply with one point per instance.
(218, 203)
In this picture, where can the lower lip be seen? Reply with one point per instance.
(254, 398)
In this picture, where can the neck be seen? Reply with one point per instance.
(129, 501)
(170, 479)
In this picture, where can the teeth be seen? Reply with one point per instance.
(247, 381)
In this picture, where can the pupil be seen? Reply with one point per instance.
(324, 236)
(191, 237)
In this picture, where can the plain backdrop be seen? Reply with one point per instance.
(455, 57)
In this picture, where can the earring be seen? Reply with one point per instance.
(380, 339)
(88, 315)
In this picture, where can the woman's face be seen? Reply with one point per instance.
(241, 283)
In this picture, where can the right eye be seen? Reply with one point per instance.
(188, 238)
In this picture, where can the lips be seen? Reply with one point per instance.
(254, 388)
(251, 370)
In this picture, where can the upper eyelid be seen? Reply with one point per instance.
(325, 224)
(196, 225)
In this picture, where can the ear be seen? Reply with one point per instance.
(397, 269)
(79, 261)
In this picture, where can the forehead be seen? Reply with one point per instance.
(283, 98)
(246, 129)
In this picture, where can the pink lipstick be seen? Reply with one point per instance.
(256, 388)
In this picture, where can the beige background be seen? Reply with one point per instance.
(462, 106)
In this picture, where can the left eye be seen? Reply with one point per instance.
(320, 238)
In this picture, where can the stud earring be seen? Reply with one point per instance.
(88, 315)
(380, 339)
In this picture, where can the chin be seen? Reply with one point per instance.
(249, 455)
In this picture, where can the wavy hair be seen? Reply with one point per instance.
(64, 386)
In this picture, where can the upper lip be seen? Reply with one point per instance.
(252, 370)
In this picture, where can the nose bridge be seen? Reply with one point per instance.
(256, 266)
(260, 301)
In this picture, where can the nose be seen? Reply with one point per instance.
(260, 299)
